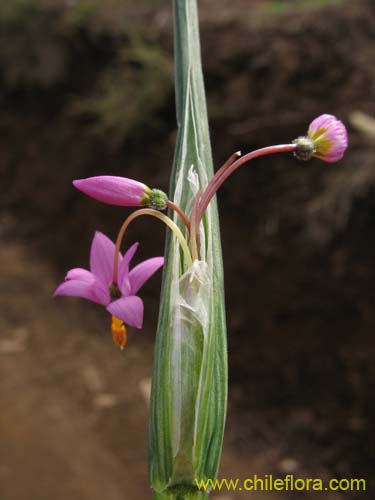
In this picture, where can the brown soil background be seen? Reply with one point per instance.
(297, 241)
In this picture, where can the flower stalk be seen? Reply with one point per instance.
(180, 213)
(153, 213)
(230, 166)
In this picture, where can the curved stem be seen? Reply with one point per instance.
(194, 230)
(228, 168)
(234, 157)
(180, 212)
(158, 215)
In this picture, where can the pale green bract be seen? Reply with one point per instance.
(189, 387)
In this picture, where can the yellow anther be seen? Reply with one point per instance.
(118, 332)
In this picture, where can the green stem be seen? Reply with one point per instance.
(189, 383)
(194, 237)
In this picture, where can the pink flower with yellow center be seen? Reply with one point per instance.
(329, 136)
(326, 139)
(120, 299)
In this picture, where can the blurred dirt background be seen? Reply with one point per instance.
(86, 88)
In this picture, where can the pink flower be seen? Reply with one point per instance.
(329, 136)
(121, 299)
(121, 191)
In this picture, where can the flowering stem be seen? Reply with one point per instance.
(235, 156)
(180, 212)
(154, 213)
(229, 167)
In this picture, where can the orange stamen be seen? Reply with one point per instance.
(118, 332)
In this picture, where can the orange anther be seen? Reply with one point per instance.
(118, 332)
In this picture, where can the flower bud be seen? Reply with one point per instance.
(122, 191)
(326, 139)
(329, 136)
(114, 190)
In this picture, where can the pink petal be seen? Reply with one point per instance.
(101, 258)
(123, 272)
(330, 137)
(113, 190)
(91, 290)
(79, 274)
(338, 136)
(143, 272)
(321, 122)
(129, 309)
